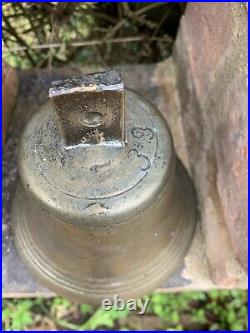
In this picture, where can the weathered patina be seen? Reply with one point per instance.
(97, 217)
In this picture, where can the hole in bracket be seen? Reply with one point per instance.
(91, 119)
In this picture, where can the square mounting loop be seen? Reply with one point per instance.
(90, 109)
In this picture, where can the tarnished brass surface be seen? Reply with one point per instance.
(96, 219)
(90, 109)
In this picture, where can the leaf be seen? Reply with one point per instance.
(158, 310)
(159, 298)
(21, 316)
(175, 318)
(214, 294)
(24, 305)
(231, 317)
(237, 327)
(177, 328)
(199, 296)
(86, 308)
(27, 318)
(104, 318)
(6, 313)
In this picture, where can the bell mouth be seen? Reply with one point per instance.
(136, 283)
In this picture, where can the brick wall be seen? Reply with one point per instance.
(211, 61)
(9, 93)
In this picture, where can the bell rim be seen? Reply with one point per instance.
(159, 273)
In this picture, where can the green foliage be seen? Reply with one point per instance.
(100, 318)
(18, 315)
(104, 318)
(59, 301)
(48, 34)
(86, 308)
(224, 310)
(214, 310)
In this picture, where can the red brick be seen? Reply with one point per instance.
(211, 63)
(232, 156)
(208, 28)
(9, 93)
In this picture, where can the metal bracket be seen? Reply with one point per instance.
(90, 109)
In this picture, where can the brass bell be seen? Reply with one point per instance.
(104, 207)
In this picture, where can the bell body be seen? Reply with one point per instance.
(94, 221)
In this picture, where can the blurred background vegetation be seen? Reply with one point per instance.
(216, 310)
(52, 34)
(55, 34)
